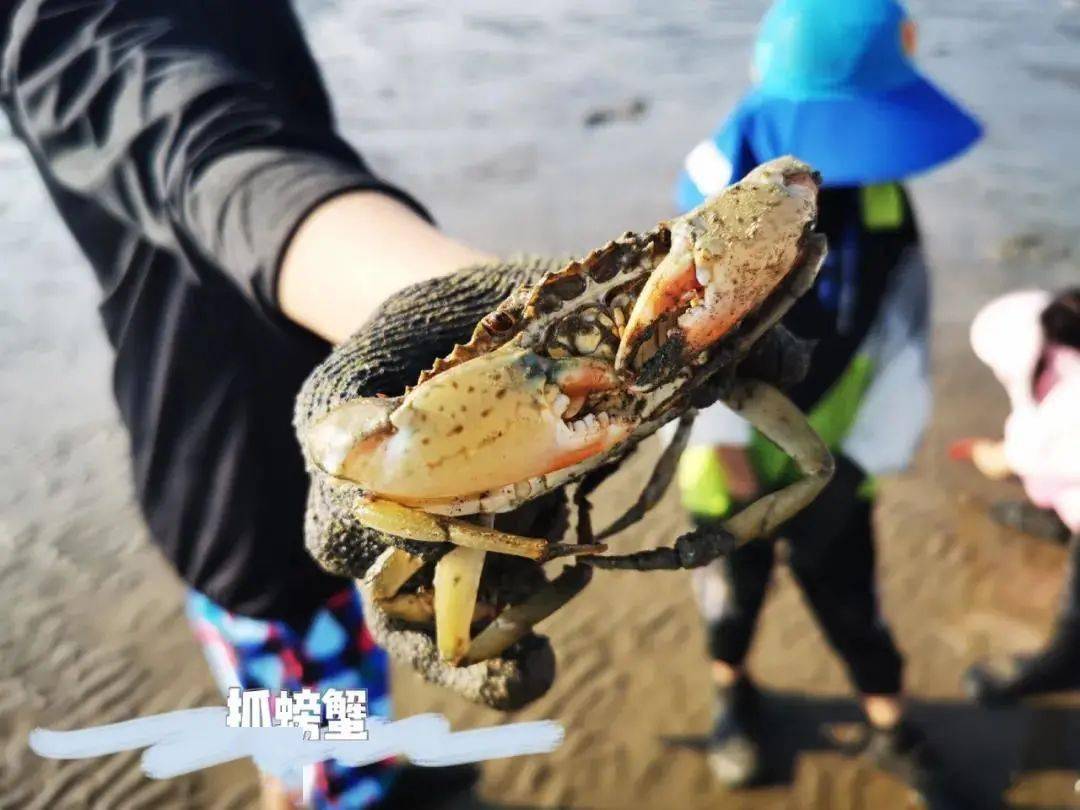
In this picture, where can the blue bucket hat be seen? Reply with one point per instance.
(837, 89)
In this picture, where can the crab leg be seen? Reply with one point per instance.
(457, 581)
(393, 568)
(419, 608)
(691, 550)
(517, 621)
(414, 524)
(777, 417)
(457, 578)
(782, 422)
(659, 481)
(390, 571)
(582, 504)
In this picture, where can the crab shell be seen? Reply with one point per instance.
(572, 372)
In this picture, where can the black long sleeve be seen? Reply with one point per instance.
(183, 141)
(192, 121)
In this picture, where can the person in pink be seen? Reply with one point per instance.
(1031, 341)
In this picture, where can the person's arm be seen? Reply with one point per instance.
(988, 456)
(353, 252)
(172, 117)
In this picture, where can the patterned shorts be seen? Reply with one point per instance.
(333, 650)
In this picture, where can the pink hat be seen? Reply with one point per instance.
(1042, 440)
(1007, 335)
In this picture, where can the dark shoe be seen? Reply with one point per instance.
(1026, 517)
(417, 788)
(903, 752)
(733, 748)
(1007, 682)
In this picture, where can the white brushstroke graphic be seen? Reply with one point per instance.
(192, 739)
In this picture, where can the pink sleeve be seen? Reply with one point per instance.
(1042, 444)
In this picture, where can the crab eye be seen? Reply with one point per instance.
(497, 322)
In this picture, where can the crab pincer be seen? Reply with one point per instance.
(716, 272)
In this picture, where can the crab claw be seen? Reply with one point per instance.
(496, 422)
(349, 429)
(726, 257)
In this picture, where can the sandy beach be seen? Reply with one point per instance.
(552, 132)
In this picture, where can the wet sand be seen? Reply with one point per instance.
(91, 627)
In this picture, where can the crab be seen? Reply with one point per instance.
(556, 386)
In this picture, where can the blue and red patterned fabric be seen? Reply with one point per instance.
(334, 650)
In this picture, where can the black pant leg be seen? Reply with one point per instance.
(730, 593)
(832, 558)
(1069, 610)
(1056, 666)
(1064, 641)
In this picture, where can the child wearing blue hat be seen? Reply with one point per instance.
(835, 86)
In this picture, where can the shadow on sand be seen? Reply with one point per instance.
(982, 750)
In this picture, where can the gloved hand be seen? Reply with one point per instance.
(412, 329)
(408, 333)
